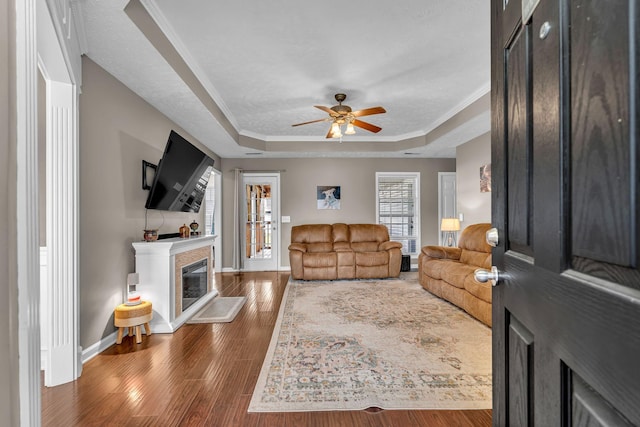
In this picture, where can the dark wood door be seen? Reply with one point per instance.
(565, 130)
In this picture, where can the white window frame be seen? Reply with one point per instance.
(415, 176)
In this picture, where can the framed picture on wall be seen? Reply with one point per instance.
(485, 178)
(328, 196)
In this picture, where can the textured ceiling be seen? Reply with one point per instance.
(238, 74)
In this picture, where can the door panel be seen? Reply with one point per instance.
(261, 218)
(520, 360)
(566, 313)
(518, 97)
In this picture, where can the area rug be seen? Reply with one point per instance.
(389, 344)
(219, 310)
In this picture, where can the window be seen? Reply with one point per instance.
(398, 207)
(210, 207)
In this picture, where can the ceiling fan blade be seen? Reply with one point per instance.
(369, 111)
(326, 109)
(330, 133)
(367, 126)
(312, 121)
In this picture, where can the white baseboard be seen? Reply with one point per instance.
(97, 348)
(233, 270)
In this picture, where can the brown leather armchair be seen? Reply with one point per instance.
(449, 272)
(343, 251)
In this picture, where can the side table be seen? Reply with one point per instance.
(132, 317)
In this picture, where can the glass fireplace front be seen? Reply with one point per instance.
(194, 282)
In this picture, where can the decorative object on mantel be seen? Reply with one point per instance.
(398, 348)
(150, 235)
(194, 228)
(485, 178)
(219, 310)
(450, 226)
(184, 231)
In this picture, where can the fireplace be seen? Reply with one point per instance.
(176, 275)
(194, 282)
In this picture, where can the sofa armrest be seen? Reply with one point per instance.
(385, 246)
(298, 247)
(442, 252)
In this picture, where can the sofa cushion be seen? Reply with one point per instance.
(477, 289)
(311, 233)
(319, 247)
(455, 273)
(364, 246)
(433, 267)
(474, 238)
(370, 259)
(368, 233)
(320, 259)
(478, 259)
(340, 233)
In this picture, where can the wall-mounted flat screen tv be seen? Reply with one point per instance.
(181, 177)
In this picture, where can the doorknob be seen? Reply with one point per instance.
(484, 276)
(492, 237)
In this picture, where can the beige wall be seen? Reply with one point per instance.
(117, 131)
(475, 206)
(357, 180)
(8, 263)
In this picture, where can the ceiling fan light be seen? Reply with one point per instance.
(335, 131)
(350, 129)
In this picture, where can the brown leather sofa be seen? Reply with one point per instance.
(343, 251)
(449, 272)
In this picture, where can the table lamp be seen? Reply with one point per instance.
(450, 226)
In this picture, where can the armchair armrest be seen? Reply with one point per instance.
(298, 247)
(442, 252)
(385, 246)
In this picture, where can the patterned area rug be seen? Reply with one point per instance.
(355, 344)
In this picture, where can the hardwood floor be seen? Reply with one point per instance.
(204, 375)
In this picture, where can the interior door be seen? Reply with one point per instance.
(566, 310)
(261, 205)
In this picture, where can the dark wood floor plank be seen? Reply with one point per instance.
(204, 375)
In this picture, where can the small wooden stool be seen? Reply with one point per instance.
(133, 316)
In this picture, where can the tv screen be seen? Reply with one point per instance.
(181, 177)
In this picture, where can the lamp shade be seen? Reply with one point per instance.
(335, 130)
(450, 224)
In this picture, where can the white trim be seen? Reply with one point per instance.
(97, 348)
(165, 26)
(26, 211)
(43, 307)
(62, 233)
(276, 241)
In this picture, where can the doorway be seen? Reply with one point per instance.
(261, 205)
(446, 201)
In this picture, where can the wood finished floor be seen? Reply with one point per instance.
(204, 375)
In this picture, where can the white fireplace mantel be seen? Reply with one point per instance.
(156, 263)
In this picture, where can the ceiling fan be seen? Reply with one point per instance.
(342, 114)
